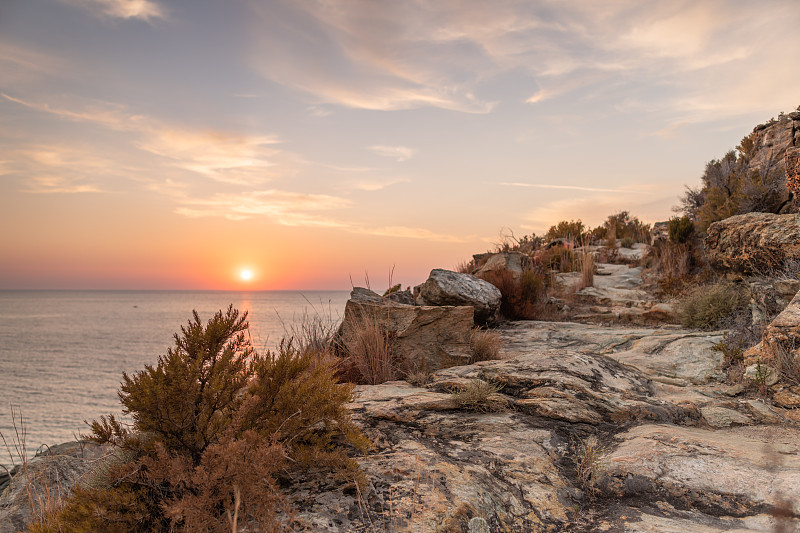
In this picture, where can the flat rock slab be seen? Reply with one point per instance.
(672, 353)
(733, 472)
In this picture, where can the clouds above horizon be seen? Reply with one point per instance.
(381, 55)
(427, 120)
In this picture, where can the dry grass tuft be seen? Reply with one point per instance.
(481, 397)
(485, 345)
(590, 457)
(368, 351)
(787, 361)
(586, 258)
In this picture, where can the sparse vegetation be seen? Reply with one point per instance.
(480, 396)
(573, 230)
(710, 306)
(215, 426)
(485, 345)
(367, 351)
(729, 187)
(590, 457)
(681, 229)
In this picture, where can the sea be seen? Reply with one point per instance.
(62, 353)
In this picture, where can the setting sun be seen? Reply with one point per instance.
(246, 275)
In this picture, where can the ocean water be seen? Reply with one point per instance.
(62, 353)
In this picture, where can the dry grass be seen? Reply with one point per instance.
(481, 397)
(586, 258)
(368, 351)
(590, 457)
(42, 489)
(466, 267)
(787, 361)
(315, 330)
(485, 345)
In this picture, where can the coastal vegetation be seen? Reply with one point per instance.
(216, 428)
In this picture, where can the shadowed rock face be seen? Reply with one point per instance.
(753, 242)
(424, 337)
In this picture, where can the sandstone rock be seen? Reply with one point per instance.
(687, 356)
(513, 262)
(792, 162)
(781, 339)
(723, 417)
(424, 337)
(768, 297)
(402, 297)
(705, 469)
(787, 399)
(753, 242)
(444, 287)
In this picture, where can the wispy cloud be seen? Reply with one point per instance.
(409, 233)
(376, 184)
(398, 153)
(218, 155)
(567, 187)
(366, 55)
(146, 10)
(283, 207)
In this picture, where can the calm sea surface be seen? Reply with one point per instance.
(62, 353)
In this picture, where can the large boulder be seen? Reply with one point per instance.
(444, 287)
(423, 337)
(753, 242)
(488, 263)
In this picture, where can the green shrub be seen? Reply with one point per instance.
(627, 242)
(709, 306)
(729, 187)
(573, 229)
(681, 229)
(215, 425)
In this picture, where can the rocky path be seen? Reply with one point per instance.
(677, 453)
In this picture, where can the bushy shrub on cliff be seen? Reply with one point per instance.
(710, 306)
(215, 426)
(680, 229)
(622, 226)
(729, 187)
(573, 229)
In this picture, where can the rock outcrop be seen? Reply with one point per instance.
(781, 339)
(444, 287)
(44, 481)
(771, 141)
(488, 263)
(753, 242)
(424, 337)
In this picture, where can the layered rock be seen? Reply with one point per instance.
(771, 141)
(781, 339)
(424, 337)
(446, 288)
(490, 263)
(753, 242)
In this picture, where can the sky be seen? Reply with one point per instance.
(174, 144)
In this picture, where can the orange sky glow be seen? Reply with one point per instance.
(155, 144)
